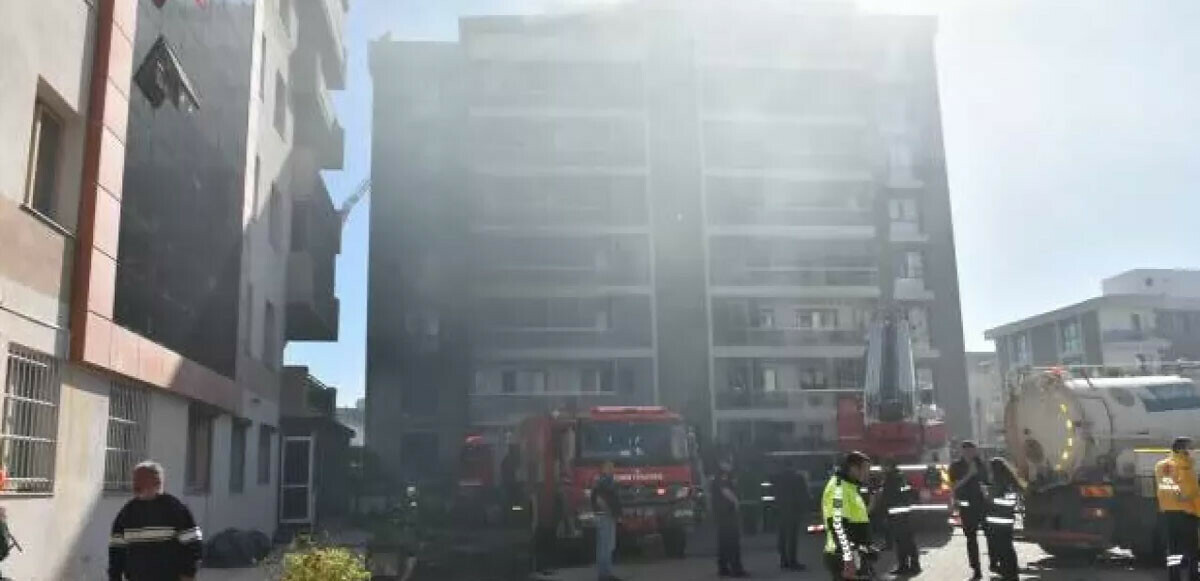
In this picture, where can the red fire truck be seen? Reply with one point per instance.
(561, 457)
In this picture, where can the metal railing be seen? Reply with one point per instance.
(28, 436)
(128, 415)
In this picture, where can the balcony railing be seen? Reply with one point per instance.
(564, 338)
(731, 399)
(766, 337)
(535, 275)
(795, 276)
(733, 214)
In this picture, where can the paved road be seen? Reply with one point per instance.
(944, 559)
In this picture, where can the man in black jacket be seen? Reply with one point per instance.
(790, 489)
(969, 476)
(154, 537)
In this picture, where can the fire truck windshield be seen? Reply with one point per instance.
(632, 443)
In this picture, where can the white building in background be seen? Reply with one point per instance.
(986, 388)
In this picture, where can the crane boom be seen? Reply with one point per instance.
(364, 187)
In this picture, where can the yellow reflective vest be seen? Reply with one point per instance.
(1178, 490)
(846, 518)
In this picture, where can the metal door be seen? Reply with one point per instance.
(296, 501)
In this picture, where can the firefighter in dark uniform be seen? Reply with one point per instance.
(1001, 518)
(1179, 506)
(969, 475)
(790, 489)
(897, 500)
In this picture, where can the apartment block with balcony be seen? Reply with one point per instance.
(147, 194)
(1143, 317)
(661, 205)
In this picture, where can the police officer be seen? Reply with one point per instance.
(969, 475)
(1001, 517)
(897, 500)
(1179, 504)
(847, 521)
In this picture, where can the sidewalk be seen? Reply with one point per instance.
(353, 538)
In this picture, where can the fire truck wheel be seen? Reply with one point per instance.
(674, 542)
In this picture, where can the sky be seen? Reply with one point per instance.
(1072, 136)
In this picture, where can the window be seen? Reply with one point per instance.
(767, 379)
(626, 380)
(281, 102)
(266, 436)
(912, 265)
(1021, 350)
(44, 157)
(813, 378)
(270, 354)
(1135, 321)
(523, 381)
(903, 210)
(1072, 340)
(248, 313)
(765, 318)
(128, 414)
(816, 318)
(237, 456)
(275, 215)
(589, 380)
(198, 474)
(30, 428)
(262, 69)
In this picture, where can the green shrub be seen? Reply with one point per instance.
(316, 563)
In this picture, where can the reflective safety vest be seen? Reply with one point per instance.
(842, 508)
(1003, 510)
(1175, 478)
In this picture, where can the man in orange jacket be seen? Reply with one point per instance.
(1179, 503)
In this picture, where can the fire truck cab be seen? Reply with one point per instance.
(562, 455)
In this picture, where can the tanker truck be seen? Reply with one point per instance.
(1087, 449)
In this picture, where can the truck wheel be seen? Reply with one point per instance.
(674, 542)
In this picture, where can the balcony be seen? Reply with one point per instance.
(912, 289)
(766, 337)
(317, 127)
(826, 277)
(312, 307)
(730, 214)
(788, 402)
(321, 26)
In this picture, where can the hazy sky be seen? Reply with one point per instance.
(1072, 136)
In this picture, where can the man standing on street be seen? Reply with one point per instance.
(606, 504)
(897, 500)
(1179, 503)
(847, 521)
(790, 489)
(154, 537)
(729, 534)
(969, 476)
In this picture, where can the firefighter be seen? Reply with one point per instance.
(847, 521)
(969, 475)
(729, 518)
(790, 489)
(1179, 504)
(897, 500)
(1001, 518)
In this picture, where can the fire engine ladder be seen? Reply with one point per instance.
(890, 390)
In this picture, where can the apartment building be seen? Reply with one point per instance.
(1143, 317)
(695, 204)
(149, 208)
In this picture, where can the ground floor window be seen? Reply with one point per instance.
(29, 430)
(198, 475)
(128, 412)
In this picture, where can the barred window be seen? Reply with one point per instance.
(128, 415)
(266, 435)
(29, 435)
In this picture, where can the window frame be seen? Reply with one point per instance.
(42, 111)
(237, 470)
(31, 473)
(128, 407)
(194, 482)
(266, 435)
